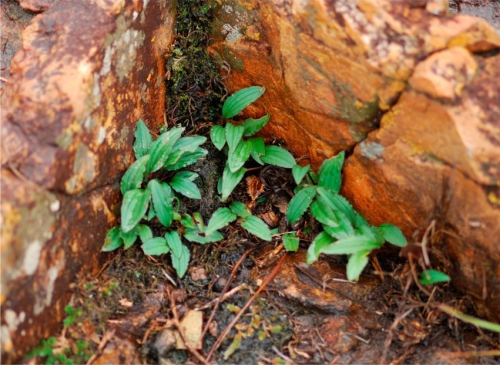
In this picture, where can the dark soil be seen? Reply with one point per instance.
(305, 315)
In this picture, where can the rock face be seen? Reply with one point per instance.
(85, 73)
(411, 90)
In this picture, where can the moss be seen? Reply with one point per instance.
(194, 86)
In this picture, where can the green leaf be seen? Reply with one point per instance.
(218, 136)
(135, 175)
(174, 242)
(356, 264)
(240, 100)
(194, 235)
(239, 156)
(278, 156)
(240, 209)
(230, 180)
(113, 240)
(180, 263)
(129, 238)
(252, 126)
(199, 221)
(299, 204)
(393, 234)
(233, 135)
(221, 218)
(350, 245)
(161, 195)
(155, 246)
(258, 148)
(299, 172)
(323, 213)
(330, 173)
(257, 227)
(321, 240)
(145, 233)
(372, 232)
(338, 202)
(187, 221)
(429, 277)
(290, 241)
(187, 158)
(151, 213)
(160, 149)
(185, 187)
(143, 140)
(134, 206)
(188, 144)
(188, 175)
(344, 228)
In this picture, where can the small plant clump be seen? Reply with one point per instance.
(149, 191)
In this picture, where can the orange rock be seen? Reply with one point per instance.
(333, 70)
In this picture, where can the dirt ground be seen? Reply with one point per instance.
(132, 310)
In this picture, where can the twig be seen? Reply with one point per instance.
(177, 323)
(222, 298)
(471, 353)
(247, 305)
(226, 287)
(282, 355)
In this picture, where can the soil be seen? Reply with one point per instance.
(131, 311)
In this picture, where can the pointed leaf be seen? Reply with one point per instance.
(230, 180)
(151, 212)
(218, 136)
(180, 263)
(185, 187)
(252, 126)
(221, 218)
(338, 202)
(356, 264)
(189, 175)
(160, 149)
(188, 144)
(187, 221)
(143, 140)
(257, 227)
(161, 195)
(278, 156)
(129, 238)
(291, 242)
(144, 232)
(186, 159)
(350, 245)
(429, 277)
(393, 234)
(240, 100)
(258, 149)
(135, 175)
(199, 221)
(239, 156)
(194, 235)
(233, 135)
(299, 172)
(134, 206)
(155, 246)
(330, 173)
(321, 240)
(240, 209)
(372, 232)
(323, 213)
(113, 240)
(299, 203)
(344, 228)
(174, 242)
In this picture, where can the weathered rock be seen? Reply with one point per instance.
(36, 6)
(333, 69)
(85, 73)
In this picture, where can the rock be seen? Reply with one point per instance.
(334, 70)
(84, 74)
(36, 6)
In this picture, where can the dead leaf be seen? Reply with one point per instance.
(198, 273)
(270, 218)
(255, 187)
(126, 303)
(191, 327)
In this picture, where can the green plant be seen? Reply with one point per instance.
(47, 350)
(145, 196)
(345, 231)
(72, 315)
(236, 142)
(430, 276)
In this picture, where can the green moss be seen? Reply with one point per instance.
(194, 86)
